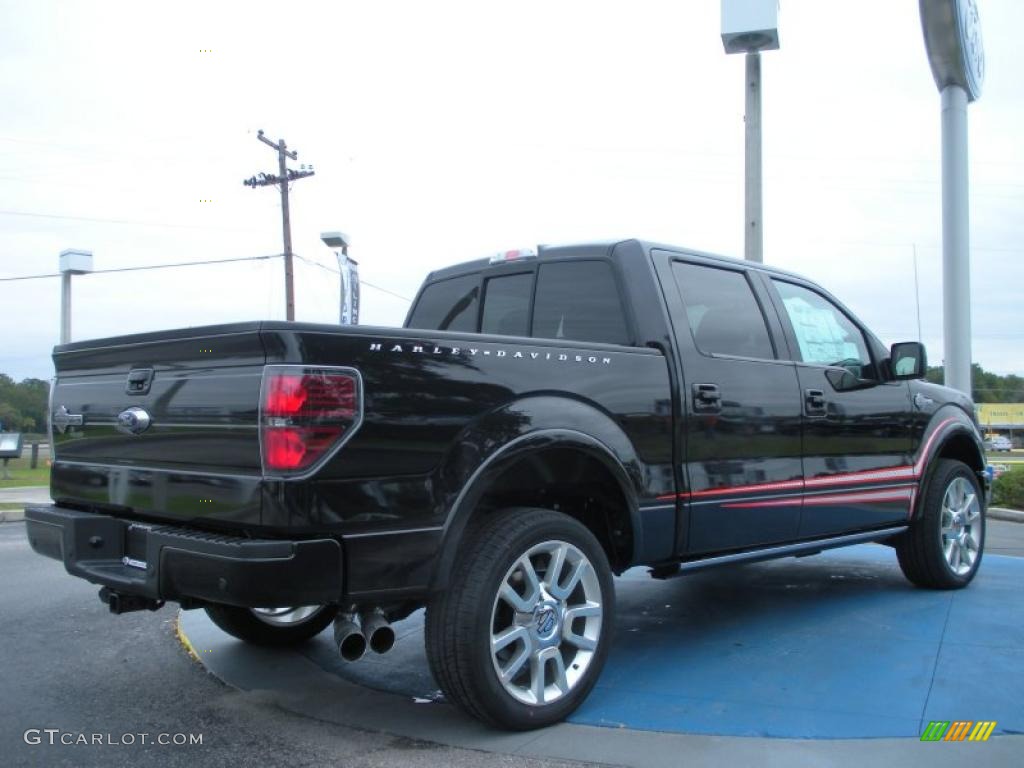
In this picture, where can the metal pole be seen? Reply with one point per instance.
(956, 267)
(753, 225)
(342, 262)
(289, 287)
(917, 295)
(65, 307)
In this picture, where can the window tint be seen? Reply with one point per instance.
(507, 305)
(579, 300)
(448, 305)
(824, 334)
(724, 315)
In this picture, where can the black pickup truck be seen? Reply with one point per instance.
(544, 421)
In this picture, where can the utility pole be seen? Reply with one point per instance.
(284, 176)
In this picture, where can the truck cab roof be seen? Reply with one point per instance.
(592, 249)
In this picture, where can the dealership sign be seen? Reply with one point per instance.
(952, 35)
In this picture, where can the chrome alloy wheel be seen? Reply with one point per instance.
(546, 622)
(960, 526)
(286, 617)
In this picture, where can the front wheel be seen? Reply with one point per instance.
(280, 627)
(520, 636)
(943, 547)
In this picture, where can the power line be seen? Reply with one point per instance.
(149, 266)
(361, 280)
(210, 261)
(35, 215)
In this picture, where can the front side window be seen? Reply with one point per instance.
(722, 311)
(824, 334)
(579, 300)
(448, 305)
(507, 305)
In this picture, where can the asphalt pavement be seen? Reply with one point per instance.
(1004, 538)
(31, 494)
(69, 665)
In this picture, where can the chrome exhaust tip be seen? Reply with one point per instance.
(349, 638)
(378, 630)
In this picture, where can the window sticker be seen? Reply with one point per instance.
(822, 340)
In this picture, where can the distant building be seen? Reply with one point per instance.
(1001, 418)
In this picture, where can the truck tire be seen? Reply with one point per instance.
(276, 627)
(943, 547)
(521, 634)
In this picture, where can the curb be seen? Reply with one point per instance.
(183, 638)
(12, 515)
(1009, 515)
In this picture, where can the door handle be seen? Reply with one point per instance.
(139, 381)
(707, 397)
(814, 400)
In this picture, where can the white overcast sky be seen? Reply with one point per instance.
(444, 131)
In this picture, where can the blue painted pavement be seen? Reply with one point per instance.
(834, 646)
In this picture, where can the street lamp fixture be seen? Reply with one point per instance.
(335, 240)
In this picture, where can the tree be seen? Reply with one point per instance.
(23, 406)
(987, 387)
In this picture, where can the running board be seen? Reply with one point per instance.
(786, 550)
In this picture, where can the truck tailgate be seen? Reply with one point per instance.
(161, 425)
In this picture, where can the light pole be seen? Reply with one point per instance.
(751, 26)
(952, 36)
(349, 269)
(72, 262)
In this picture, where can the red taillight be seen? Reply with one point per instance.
(304, 413)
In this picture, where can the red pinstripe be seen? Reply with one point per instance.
(895, 494)
(902, 472)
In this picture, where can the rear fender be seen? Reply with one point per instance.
(501, 438)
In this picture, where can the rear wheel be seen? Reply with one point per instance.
(520, 636)
(944, 546)
(279, 627)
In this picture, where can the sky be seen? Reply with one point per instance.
(445, 131)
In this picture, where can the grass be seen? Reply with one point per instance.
(22, 475)
(8, 507)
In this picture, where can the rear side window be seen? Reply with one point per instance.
(579, 300)
(507, 305)
(723, 313)
(448, 305)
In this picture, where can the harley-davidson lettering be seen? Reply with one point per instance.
(420, 349)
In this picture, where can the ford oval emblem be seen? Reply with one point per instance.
(134, 421)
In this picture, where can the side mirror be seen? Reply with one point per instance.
(908, 360)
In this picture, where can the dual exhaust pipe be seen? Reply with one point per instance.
(353, 635)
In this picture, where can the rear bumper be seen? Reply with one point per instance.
(164, 562)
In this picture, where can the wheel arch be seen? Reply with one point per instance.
(555, 468)
(961, 446)
(953, 437)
